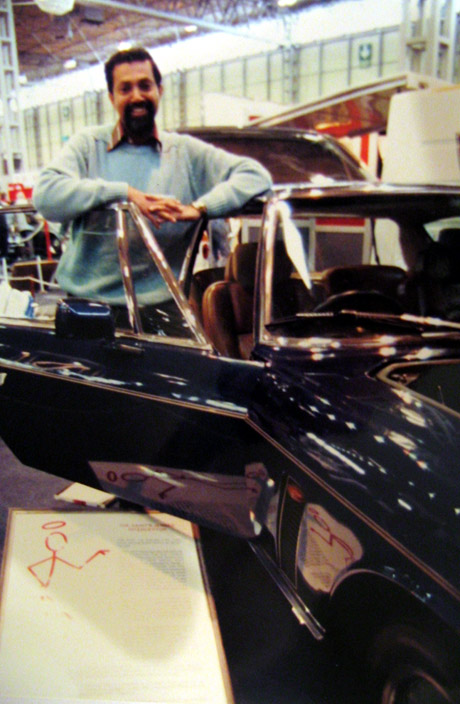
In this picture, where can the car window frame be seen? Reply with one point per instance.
(121, 210)
(154, 250)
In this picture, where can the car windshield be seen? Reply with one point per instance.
(336, 269)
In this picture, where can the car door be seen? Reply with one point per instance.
(142, 411)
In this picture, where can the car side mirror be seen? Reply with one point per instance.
(83, 319)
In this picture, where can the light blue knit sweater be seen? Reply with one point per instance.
(85, 175)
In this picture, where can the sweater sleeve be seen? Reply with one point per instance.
(64, 189)
(224, 181)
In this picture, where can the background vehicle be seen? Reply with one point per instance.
(291, 156)
(313, 411)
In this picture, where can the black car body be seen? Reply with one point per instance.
(305, 398)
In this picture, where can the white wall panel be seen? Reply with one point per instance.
(78, 113)
(45, 134)
(275, 77)
(193, 93)
(390, 52)
(212, 78)
(256, 77)
(107, 112)
(234, 77)
(309, 72)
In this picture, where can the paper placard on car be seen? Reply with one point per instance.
(105, 607)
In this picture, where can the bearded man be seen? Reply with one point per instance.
(172, 178)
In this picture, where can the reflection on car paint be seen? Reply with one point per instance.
(235, 504)
(50, 362)
(326, 548)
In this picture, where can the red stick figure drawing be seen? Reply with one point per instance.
(44, 569)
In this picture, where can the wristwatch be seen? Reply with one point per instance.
(200, 206)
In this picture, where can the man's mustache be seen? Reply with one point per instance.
(146, 104)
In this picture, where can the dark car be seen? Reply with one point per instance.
(304, 397)
(290, 155)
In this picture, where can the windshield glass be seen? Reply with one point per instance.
(326, 264)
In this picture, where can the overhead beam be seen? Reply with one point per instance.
(175, 19)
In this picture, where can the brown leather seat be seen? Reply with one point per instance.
(228, 304)
(200, 282)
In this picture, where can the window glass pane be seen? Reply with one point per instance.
(159, 312)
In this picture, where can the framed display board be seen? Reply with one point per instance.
(101, 607)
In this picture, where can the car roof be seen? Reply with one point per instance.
(256, 132)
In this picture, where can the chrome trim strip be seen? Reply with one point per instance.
(47, 323)
(191, 252)
(161, 340)
(453, 591)
(301, 611)
(266, 267)
(126, 271)
(327, 344)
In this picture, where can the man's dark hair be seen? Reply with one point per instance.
(130, 56)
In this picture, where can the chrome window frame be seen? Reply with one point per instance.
(312, 344)
(164, 269)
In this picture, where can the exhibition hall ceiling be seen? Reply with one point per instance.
(91, 30)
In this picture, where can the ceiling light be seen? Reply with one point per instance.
(55, 7)
(286, 3)
(22, 79)
(190, 28)
(125, 44)
(70, 64)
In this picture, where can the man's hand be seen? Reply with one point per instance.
(160, 209)
(189, 212)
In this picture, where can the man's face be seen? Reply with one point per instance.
(136, 97)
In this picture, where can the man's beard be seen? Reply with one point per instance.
(139, 126)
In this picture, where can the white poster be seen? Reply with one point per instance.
(106, 607)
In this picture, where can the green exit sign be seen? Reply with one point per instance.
(365, 54)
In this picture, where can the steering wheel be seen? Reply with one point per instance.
(364, 301)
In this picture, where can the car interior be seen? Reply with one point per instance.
(225, 304)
